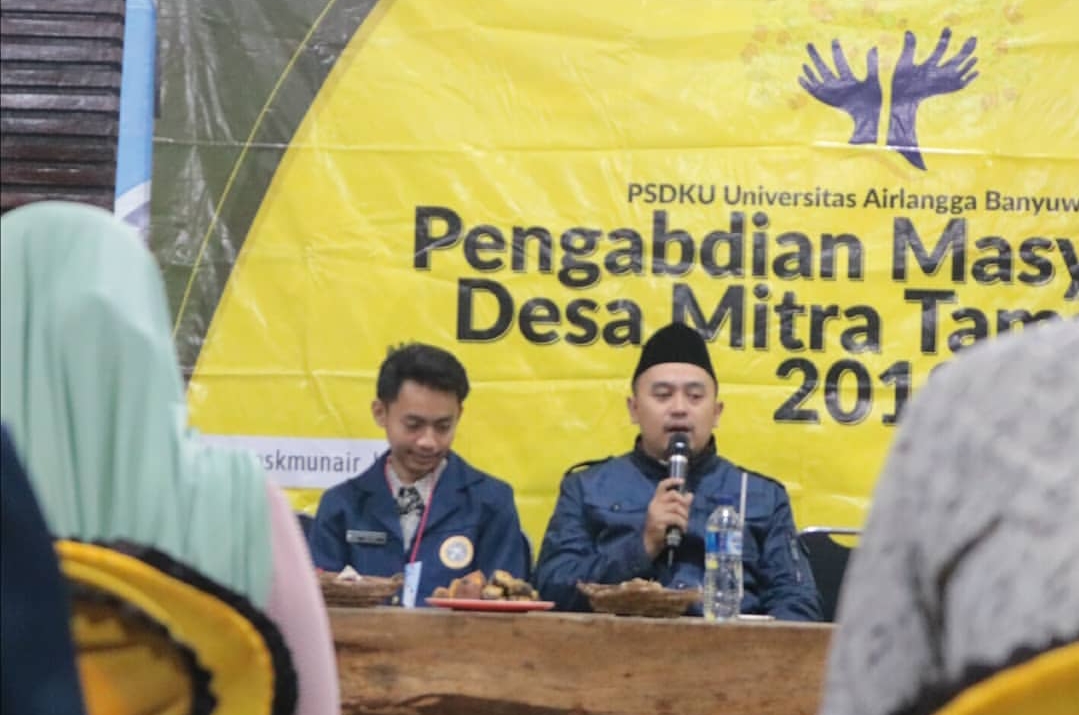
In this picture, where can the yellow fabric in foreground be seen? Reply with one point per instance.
(127, 666)
(1046, 685)
(225, 642)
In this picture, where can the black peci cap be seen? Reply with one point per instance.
(676, 342)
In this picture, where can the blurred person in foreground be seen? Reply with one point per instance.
(38, 675)
(92, 394)
(611, 518)
(969, 561)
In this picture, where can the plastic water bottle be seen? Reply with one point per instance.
(723, 562)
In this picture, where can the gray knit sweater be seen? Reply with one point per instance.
(970, 556)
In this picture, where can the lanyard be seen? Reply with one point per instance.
(423, 519)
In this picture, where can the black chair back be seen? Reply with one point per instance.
(828, 561)
(306, 522)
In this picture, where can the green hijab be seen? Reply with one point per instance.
(91, 392)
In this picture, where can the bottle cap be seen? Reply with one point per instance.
(726, 500)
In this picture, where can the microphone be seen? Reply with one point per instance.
(678, 459)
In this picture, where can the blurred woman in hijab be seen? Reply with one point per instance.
(92, 395)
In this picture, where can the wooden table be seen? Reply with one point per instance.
(393, 661)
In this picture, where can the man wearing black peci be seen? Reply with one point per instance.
(612, 518)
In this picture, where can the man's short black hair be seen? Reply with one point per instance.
(427, 365)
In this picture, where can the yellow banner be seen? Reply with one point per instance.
(841, 195)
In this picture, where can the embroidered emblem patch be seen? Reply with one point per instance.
(456, 552)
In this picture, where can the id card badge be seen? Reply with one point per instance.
(412, 584)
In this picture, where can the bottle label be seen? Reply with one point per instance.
(717, 543)
(730, 544)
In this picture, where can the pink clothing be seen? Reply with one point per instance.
(297, 608)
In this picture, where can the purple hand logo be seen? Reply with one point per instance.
(911, 84)
(858, 98)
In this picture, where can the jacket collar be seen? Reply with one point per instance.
(375, 498)
(445, 500)
(699, 463)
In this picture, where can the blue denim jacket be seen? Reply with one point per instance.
(595, 535)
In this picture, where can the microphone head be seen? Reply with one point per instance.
(678, 444)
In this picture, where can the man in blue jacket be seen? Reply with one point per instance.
(420, 509)
(611, 519)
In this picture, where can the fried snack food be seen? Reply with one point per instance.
(514, 589)
(638, 597)
(468, 586)
(501, 587)
(640, 584)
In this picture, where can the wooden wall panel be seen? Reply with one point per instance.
(59, 100)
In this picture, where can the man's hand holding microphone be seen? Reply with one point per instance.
(668, 512)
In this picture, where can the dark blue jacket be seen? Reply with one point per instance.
(37, 657)
(466, 506)
(596, 534)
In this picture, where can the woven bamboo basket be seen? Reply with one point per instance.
(367, 591)
(634, 600)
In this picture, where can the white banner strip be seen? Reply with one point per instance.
(306, 462)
